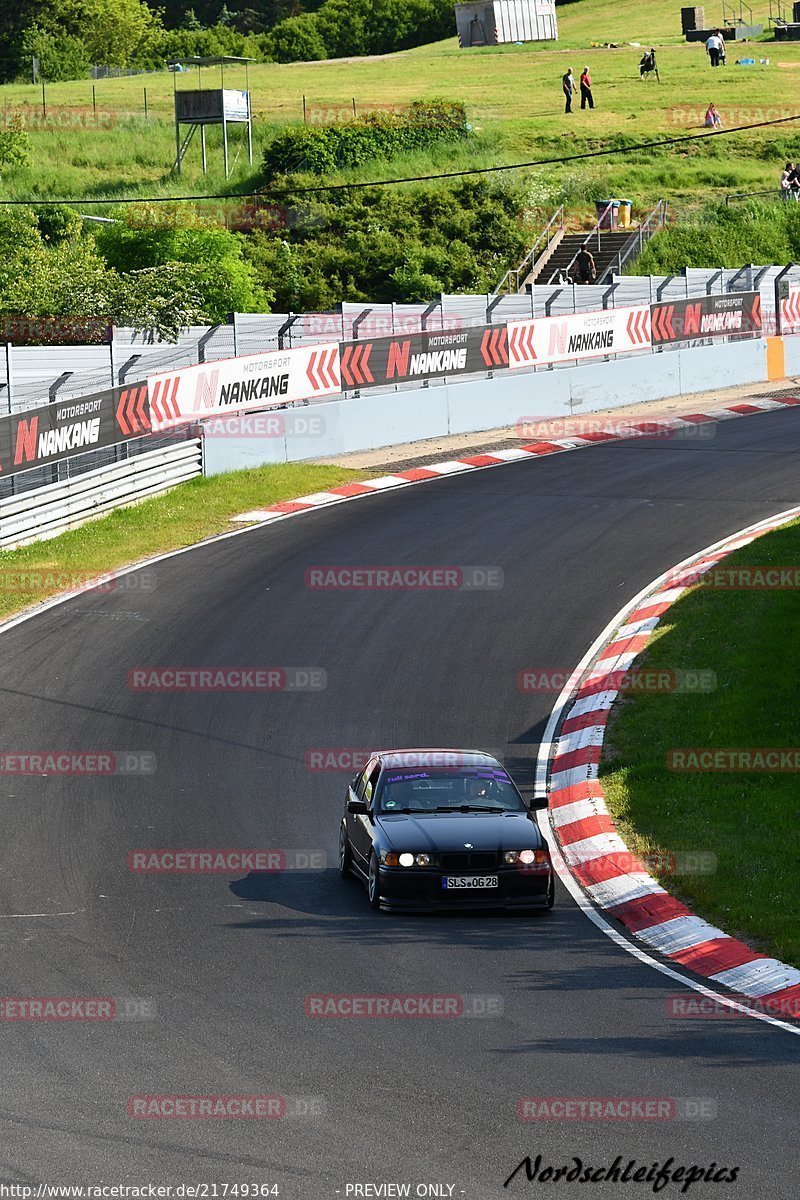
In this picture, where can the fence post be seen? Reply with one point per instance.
(305, 117)
(94, 100)
(145, 103)
(44, 101)
(9, 382)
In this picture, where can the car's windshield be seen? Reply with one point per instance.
(477, 789)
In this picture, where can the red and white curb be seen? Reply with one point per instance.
(593, 853)
(658, 427)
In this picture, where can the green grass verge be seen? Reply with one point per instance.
(751, 822)
(186, 515)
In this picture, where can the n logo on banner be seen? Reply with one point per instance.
(558, 339)
(25, 448)
(205, 391)
(399, 353)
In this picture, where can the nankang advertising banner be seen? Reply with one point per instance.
(376, 362)
(254, 381)
(579, 335)
(708, 316)
(69, 427)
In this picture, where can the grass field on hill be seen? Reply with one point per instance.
(513, 99)
(750, 821)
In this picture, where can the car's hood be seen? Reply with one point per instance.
(452, 831)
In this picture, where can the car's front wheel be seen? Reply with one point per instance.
(373, 882)
(345, 854)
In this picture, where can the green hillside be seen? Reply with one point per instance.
(513, 100)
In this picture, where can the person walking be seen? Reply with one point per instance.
(586, 89)
(713, 47)
(585, 266)
(568, 86)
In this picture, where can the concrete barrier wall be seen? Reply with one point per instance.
(391, 418)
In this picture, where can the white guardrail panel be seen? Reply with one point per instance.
(44, 513)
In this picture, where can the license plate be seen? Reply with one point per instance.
(465, 882)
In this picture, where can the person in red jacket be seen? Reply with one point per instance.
(586, 89)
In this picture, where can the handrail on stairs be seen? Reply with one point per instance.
(655, 219)
(510, 282)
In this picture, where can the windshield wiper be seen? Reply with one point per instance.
(388, 811)
(467, 808)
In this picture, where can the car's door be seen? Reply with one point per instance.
(360, 825)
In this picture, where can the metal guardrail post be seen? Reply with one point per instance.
(610, 292)
(661, 286)
(778, 279)
(9, 378)
(434, 304)
(286, 330)
(358, 321)
(710, 282)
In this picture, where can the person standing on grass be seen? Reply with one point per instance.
(794, 182)
(713, 47)
(786, 185)
(721, 40)
(568, 86)
(586, 89)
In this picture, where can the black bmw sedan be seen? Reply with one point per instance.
(443, 829)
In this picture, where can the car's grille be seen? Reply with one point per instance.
(477, 861)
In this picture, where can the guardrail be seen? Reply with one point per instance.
(510, 283)
(61, 506)
(656, 219)
(173, 404)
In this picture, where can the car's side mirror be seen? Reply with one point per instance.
(357, 807)
(538, 802)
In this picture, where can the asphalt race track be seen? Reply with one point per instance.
(226, 962)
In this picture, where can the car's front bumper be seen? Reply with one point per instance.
(414, 889)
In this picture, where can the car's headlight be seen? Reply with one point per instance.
(527, 858)
(406, 859)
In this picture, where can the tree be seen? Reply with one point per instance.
(297, 39)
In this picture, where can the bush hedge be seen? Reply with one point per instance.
(320, 149)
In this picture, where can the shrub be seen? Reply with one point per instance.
(14, 144)
(297, 39)
(323, 148)
(382, 245)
